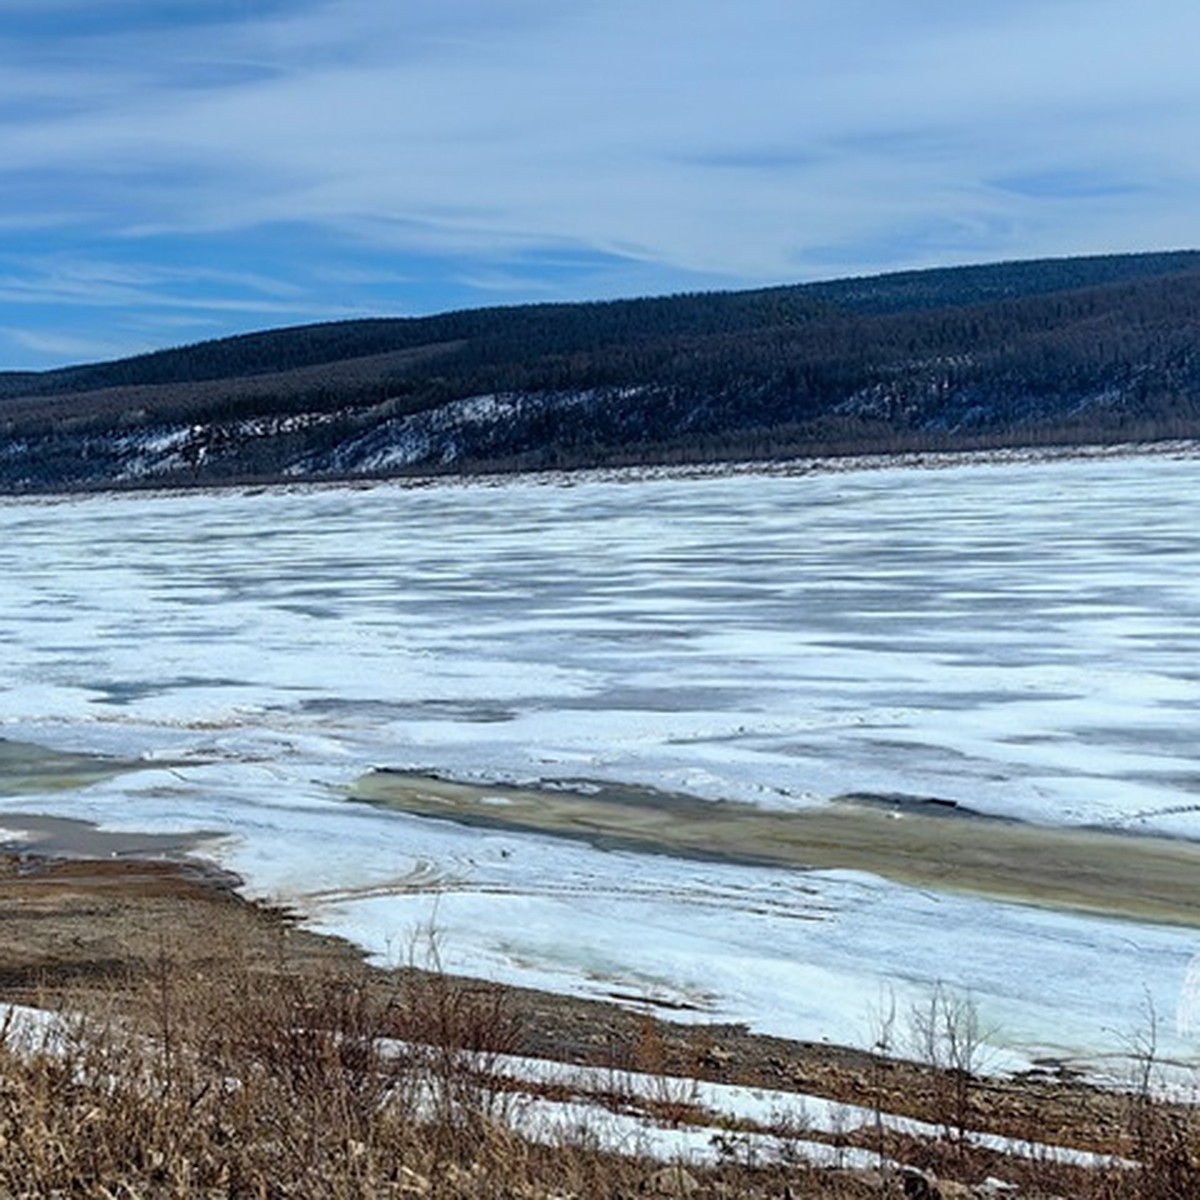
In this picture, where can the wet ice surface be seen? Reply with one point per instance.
(1019, 639)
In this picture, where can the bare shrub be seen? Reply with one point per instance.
(255, 1084)
(1163, 1137)
(254, 1081)
(944, 1032)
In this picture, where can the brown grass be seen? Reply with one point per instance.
(210, 1048)
(257, 1084)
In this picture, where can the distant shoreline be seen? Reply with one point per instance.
(909, 460)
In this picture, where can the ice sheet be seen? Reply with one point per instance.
(1021, 639)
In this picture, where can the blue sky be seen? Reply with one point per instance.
(174, 170)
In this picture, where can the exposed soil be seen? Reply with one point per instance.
(74, 931)
(918, 841)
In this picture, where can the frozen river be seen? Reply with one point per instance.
(1023, 640)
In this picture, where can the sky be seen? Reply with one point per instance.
(177, 170)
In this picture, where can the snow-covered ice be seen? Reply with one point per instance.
(1021, 639)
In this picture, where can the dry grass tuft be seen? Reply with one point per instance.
(263, 1083)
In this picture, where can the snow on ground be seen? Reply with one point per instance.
(691, 1120)
(1020, 638)
(26, 1030)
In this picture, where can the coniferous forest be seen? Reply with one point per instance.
(1064, 351)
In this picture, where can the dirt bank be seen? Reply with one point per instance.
(84, 931)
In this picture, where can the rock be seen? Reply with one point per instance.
(949, 1189)
(718, 1056)
(992, 1186)
(918, 1185)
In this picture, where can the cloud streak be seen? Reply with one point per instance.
(464, 147)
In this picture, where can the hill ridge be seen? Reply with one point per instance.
(1088, 350)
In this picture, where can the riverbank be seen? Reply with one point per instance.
(88, 933)
(787, 467)
(334, 1066)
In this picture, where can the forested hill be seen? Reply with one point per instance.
(1080, 350)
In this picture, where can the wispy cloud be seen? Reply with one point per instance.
(64, 347)
(468, 149)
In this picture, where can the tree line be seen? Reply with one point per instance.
(1086, 349)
